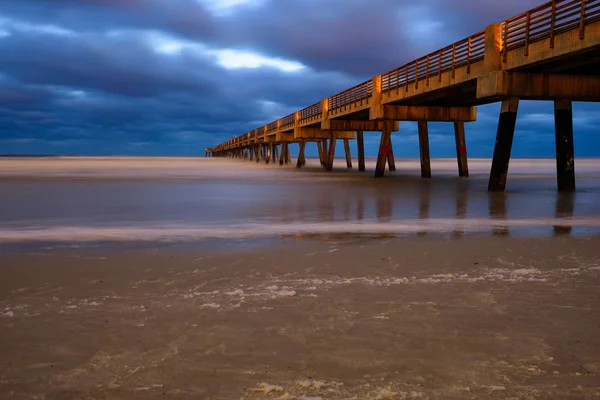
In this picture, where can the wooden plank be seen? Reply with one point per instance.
(532, 86)
(355, 125)
(423, 113)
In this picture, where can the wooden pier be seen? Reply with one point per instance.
(551, 52)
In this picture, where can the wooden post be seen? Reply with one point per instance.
(288, 156)
(301, 159)
(348, 155)
(424, 150)
(276, 154)
(268, 157)
(331, 152)
(504, 139)
(461, 149)
(282, 155)
(325, 151)
(320, 148)
(390, 155)
(565, 156)
(384, 149)
(257, 153)
(360, 144)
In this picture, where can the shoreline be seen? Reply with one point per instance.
(427, 317)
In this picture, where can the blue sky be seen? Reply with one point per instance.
(170, 77)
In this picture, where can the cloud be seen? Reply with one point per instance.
(175, 76)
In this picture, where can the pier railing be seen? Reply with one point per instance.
(547, 21)
(288, 120)
(461, 53)
(311, 111)
(356, 93)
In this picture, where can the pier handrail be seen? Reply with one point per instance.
(547, 21)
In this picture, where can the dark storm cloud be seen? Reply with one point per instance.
(148, 76)
(186, 17)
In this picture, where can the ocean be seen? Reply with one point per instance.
(182, 199)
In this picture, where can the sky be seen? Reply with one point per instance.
(171, 77)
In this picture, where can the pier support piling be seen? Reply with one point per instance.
(504, 139)
(424, 150)
(565, 156)
(461, 149)
(268, 157)
(390, 156)
(385, 145)
(348, 155)
(360, 144)
(282, 156)
(331, 152)
(301, 159)
(320, 148)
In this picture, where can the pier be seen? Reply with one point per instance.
(551, 52)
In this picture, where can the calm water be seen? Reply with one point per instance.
(174, 199)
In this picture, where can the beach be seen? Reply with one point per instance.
(125, 279)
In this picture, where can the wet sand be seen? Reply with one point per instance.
(435, 317)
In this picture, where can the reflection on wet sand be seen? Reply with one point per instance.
(236, 202)
(424, 206)
(497, 206)
(461, 210)
(565, 204)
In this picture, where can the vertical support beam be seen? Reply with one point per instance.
(320, 148)
(288, 157)
(565, 156)
(331, 152)
(276, 153)
(360, 144)
(257, 153)
(504, 139)
(268, 157)
(390, 156)
(424, 150)
(461, 149)
(348, 155)
(384, 149)
(325, 151)
(282, 156)
(301, 159)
